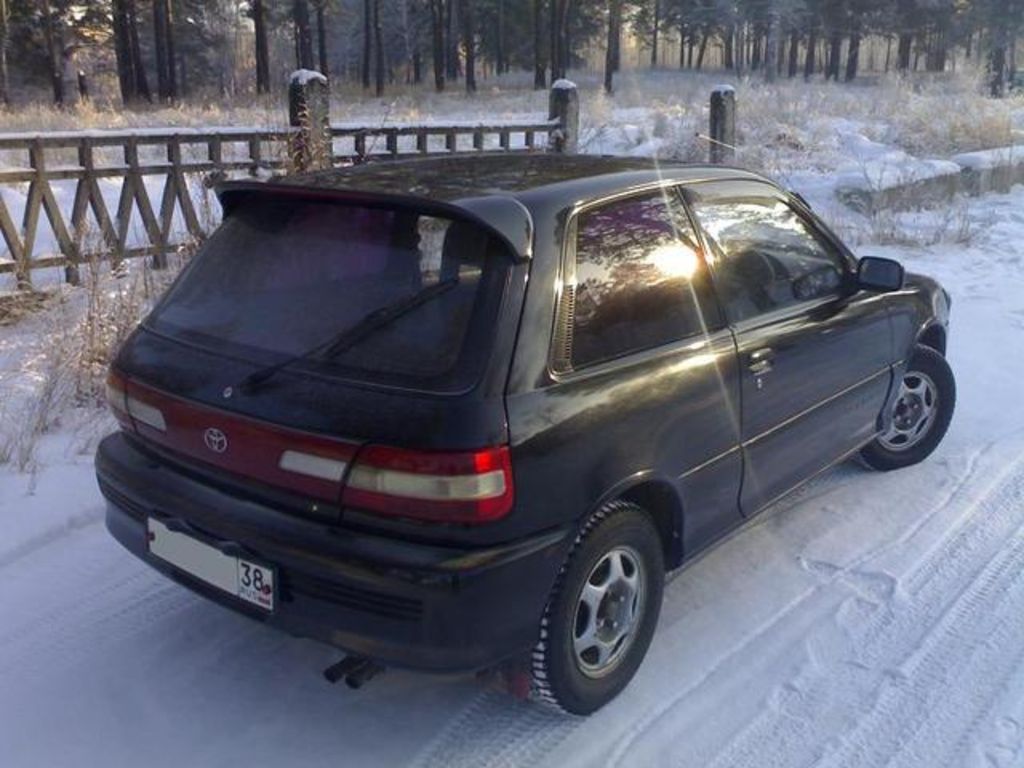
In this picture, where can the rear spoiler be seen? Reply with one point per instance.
(504, 216)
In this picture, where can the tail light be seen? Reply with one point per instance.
(117, 399)
(128, 409)
(463, 487)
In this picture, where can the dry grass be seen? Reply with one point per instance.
(74, 335)
(16, 306)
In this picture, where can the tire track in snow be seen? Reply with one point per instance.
(962, 662)
(496, 730)
(50, 536)
(664, 710)
(951, 591)
(100, 600)
(658, 717)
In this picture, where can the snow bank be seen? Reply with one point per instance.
(894, 179)
(988, 159)
(992, 169)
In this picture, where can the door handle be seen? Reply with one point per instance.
(761, 361)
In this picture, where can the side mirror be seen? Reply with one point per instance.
(877, 274)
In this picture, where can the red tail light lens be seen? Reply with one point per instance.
(117, 399)
(465, 487)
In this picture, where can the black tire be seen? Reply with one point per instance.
(624, 532)
(884, 455)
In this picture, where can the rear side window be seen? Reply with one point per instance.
(766, 257)
(640, 279)
(411, 297)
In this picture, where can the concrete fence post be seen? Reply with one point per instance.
(722, 129)
(309, 148)
(564, 106)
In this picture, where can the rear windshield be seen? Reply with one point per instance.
(370, 292)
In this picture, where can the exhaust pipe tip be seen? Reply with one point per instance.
(354, 670)
(362, 675)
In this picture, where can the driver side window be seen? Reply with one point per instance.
(766, 257)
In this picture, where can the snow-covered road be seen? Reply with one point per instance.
(871, 619)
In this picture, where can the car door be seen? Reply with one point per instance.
(646, 387)
(813, 350)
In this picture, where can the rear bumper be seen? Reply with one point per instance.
(397, 602)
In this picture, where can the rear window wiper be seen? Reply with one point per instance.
(348, 338)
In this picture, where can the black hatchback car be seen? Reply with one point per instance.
(466, 412)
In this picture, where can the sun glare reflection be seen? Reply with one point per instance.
(675, 260)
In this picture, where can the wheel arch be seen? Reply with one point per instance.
(659, 498)
(934, 337)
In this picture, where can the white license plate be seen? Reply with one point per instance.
(252, 582)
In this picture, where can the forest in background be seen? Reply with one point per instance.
(170, 51)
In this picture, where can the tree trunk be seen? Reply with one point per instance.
(122, 51)
(321, 37)
(539, 67)
(172, 55)
(554, 56)
(501, 64)
(437, 42)
(259, 20)
(812, 43)
(182, 84)
(469, 43)
(367, 42)
(771, 49)
(835, 47)
(5, 37)
(741, 49)
(794, 53)
(138, 70)
(559, 38)
(161, 44)
(853, 55)
(452, 36)
(704, 35)
(997, 67)
(612, 50)
(730, 33)
(54, 45)
(654, 36)
(903, 52)
(303, 35)
(378, 44)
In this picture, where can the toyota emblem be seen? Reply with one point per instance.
(215, 440)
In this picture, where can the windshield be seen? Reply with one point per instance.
(281, 278)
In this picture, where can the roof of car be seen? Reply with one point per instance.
(454, 177)
(505, 191)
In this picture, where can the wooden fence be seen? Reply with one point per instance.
(163, 173)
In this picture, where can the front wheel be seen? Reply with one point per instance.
(920, 414)
(602, 611)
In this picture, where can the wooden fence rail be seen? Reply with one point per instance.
(72, 177)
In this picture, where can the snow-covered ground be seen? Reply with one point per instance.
(871, 619)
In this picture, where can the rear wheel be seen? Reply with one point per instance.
(920, 414)
(602, 612)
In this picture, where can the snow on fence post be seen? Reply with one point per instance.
(309, 148)
(722, 128)
(564, 106)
